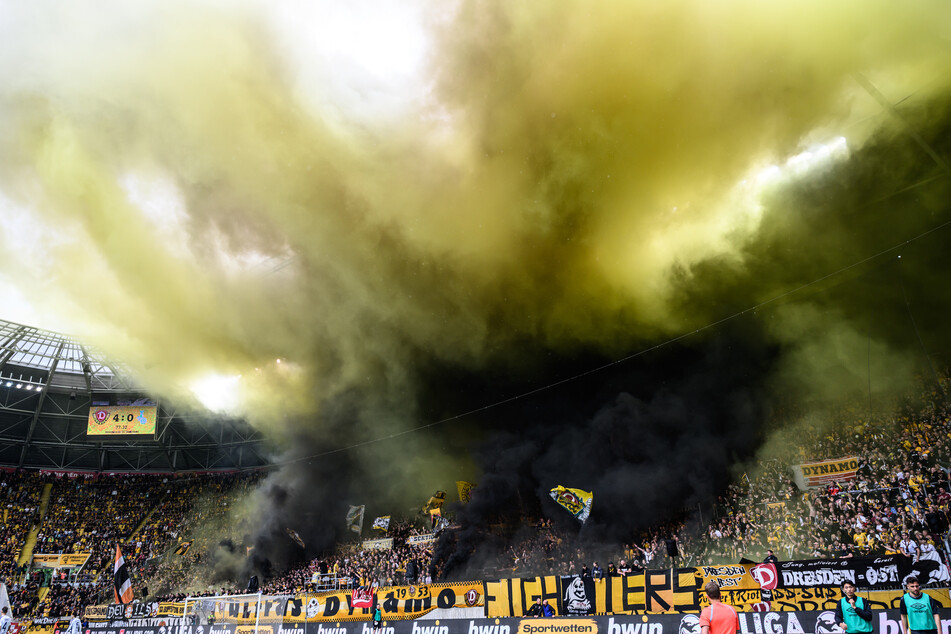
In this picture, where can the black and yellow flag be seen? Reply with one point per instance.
(465, 490)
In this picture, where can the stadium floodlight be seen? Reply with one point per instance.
(29, 387)
(9, 383)
(19, 385)
(217, 392)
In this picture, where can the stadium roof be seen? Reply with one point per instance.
(48, 382)
(40, 359)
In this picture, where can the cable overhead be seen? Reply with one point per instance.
(625, 359)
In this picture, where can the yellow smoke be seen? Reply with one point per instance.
(560, 161)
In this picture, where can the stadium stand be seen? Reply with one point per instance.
(901, 488)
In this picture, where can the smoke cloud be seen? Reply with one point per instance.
(426, 210)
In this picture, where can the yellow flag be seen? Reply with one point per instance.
(465, 490)
(575, 501)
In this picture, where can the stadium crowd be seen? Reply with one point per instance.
(898, 502)
(354, 565)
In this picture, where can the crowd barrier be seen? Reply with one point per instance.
(788, 587)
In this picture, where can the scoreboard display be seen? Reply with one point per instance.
(110, 421)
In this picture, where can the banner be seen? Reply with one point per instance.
(378, 544)
(419, 540)
(883, 572)
(810, 475)
(251, 608)
(171, 608)
(738, 576)
(577, 596)
(124, 612)
(800, 599)
(382, 523)
(888, 571)
(647, 591)
(120, 612)
(575, 501)
(66, 560)
(400, 602)
(362, 597)
(96, 612)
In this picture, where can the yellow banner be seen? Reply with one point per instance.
(171, 608)
(653, 591)
(814, 599)
(809, 475)
(66, 560)
(96, 612)
(730, 577)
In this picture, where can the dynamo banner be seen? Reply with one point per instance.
(810, 475)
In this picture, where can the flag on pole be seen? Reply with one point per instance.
(575, 501)
(122, 585)
(382, 523)
(465, 490)
(296, 537)
(355, 518)
(183, 548)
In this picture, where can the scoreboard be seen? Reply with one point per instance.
(131, 421)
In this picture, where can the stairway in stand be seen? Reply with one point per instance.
(27, 552)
